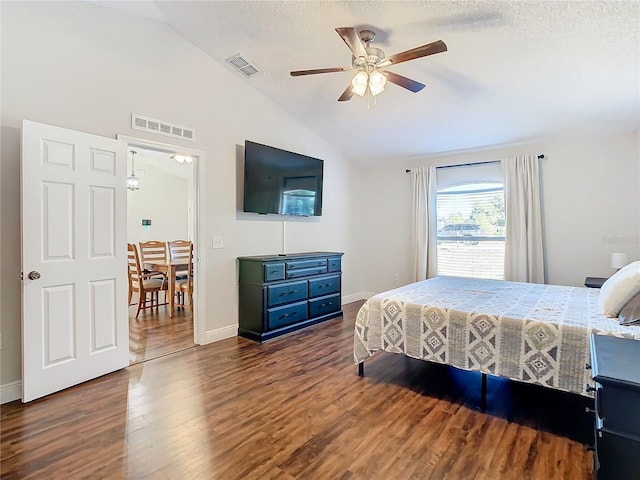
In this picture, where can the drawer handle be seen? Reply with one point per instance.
(285, 315)
(291, 292)
(589, 388)
(274, 271)
(326, 285)
(326, 304)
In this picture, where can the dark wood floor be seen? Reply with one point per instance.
(294, 408)
(154, 334)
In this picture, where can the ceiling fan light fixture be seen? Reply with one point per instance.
(359, 83)
(377, 82)
(366, 60)
(182, 158)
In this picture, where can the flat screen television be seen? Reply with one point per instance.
(281, 182)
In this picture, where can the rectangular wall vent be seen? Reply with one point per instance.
(146, 124)
(243, 65)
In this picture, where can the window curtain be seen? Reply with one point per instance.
(424, 223)
(523, 260)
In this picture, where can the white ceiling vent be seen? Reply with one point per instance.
(146, 124)
(242, 65)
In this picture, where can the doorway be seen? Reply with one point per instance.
(162, 208)
(74, 255)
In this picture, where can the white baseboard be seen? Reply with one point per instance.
(354, 297)
(232, 330)
(11, 391)
(221, 334)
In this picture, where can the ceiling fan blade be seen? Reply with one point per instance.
(429, 49)
(346, 95)
(298, 73)
(352, 39)
(404, 82)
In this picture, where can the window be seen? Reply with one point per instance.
(471, 229)
(299, 195)
(298, 202)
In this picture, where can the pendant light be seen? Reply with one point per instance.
(133, 182)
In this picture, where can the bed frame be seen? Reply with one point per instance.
(525, 332)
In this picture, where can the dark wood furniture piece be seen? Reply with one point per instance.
(615, 363)
(594, 282)
(282, 293)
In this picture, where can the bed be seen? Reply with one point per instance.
(522, 331)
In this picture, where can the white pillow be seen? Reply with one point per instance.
(621, 287)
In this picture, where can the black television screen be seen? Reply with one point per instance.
(281, 182)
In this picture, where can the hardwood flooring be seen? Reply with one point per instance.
(155, 334)
(294, 408)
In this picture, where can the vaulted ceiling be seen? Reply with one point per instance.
(515, 71)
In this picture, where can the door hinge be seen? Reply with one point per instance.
(21, 276)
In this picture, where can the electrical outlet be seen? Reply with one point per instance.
(396, 278)
(218, 242)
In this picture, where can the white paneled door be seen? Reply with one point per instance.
(74, 254)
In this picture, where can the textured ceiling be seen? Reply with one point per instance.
(514, 72)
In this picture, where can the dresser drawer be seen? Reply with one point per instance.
(298, 264)
(618, 407)
(286, 315)
(273, 271)
(323, 305)
(286, 293)
(334, 264)
(616, 456)
(324, 286)
(306, 272)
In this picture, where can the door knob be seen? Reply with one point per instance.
(33, 275)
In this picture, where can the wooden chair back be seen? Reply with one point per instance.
(142, 282)
(183, 250)
(153, 250)
(134, 272)
(180, 249)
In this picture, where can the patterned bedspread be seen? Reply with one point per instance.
(527, 332)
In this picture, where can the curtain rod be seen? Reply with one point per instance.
(408, 170)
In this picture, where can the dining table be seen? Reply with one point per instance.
(170, 267)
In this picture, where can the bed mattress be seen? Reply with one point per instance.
(527, 332)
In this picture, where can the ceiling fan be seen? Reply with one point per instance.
(369, 60)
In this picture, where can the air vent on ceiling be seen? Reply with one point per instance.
(146, 124)
(242, 65)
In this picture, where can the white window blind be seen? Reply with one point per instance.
(471, 229)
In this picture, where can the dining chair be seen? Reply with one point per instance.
(151, 251)
(183, 250)
(143, 283)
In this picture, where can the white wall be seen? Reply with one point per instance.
(591, 208)
(79, 66)
(9, 256)
(163, 199)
